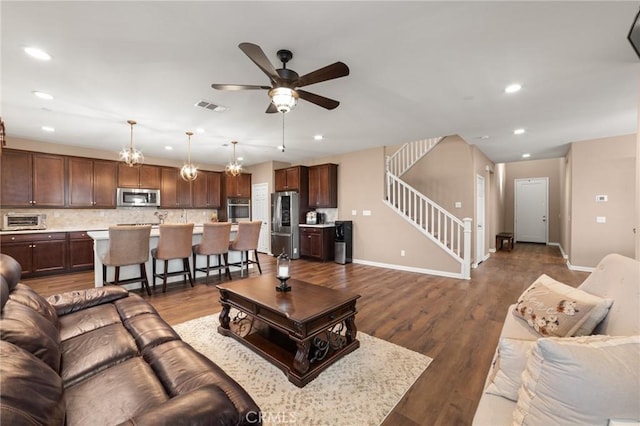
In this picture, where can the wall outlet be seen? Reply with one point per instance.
(601, 198)
(401, 252)
(366, 212)
(458, 205)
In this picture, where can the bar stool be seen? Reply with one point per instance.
(247, 239)
(174, 243)
(128, 245)
(215, 241)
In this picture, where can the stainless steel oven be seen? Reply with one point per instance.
(238, 210)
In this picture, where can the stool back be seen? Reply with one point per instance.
(128, 245)
(175, 241)
(215, 238)
(247, 236)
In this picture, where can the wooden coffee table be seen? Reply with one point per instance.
(302, 331)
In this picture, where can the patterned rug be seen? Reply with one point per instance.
(359, 389)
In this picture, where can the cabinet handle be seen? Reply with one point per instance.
(49, 236)
(13, 238)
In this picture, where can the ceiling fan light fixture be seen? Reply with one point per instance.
(131, 156)
(283, 98)
(234, 168)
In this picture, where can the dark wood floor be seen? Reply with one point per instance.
(455, 322)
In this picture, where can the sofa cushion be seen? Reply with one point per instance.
(117, 393)
(580, 381)
(32, 392)
(31, 331)
(556, 309)
(27, 296)
(509, 363)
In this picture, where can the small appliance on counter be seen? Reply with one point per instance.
(24, 221)
(315, 218)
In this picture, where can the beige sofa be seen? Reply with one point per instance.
(616, 277)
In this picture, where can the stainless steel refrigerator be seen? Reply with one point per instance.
(285, 216)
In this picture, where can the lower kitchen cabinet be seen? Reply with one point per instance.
(49, 253)
(80, 251)
(317, 243)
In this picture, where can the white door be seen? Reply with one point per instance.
(480, 228)
(260, 211)
(531, 199)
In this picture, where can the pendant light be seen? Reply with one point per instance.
(131, 156)
(233, 169)
(189, 172)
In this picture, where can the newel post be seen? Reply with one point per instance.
(466, 258)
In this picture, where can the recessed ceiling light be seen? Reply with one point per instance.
(199, 130)
(318, 137)
(168, 148)
(512, 88)
(240, 158)
(48, 129)
(483, 137)
(43, 95)
(526, 155)
(518, 131)
(37, 53)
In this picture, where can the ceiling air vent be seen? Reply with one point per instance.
(202, 103)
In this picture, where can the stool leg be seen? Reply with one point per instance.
(195, 271)
(145, 280)
(164, 276)
(255, 253)
(226, 264)
(153, 272)
(185, 262)
(117, 279)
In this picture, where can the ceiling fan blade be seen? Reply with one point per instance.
(256, 54)
(239, 87)
(271, 108)
(335, 70)
(318, 100)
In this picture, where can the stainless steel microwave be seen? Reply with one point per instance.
(135, 197)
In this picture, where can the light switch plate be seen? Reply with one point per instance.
(366, 212)
(458, 204)
(601, 219)
(354, 212)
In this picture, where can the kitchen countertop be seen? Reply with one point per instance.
(322, 225)
(74, 229)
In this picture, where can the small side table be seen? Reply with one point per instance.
(502, 237)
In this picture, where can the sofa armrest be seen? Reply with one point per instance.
(72, 301)
(205, 405)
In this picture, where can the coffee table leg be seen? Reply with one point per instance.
(224, 316)
(301, 360)
(352, 330)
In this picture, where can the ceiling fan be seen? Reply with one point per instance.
(286, 83)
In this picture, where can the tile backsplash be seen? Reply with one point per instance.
(103, 218)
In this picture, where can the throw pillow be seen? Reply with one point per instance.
(509, 363)
(580, 381)
(556, 309)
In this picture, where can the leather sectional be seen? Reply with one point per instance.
(104, 356)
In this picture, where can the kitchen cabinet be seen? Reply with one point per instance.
(238, 186)
(175, 192)
(317, 243)
(323, 186)
(39, 253)
(80, 251)
(206, 190)
(91, 183)
(32, 179)
(144, 176)
(292, 179)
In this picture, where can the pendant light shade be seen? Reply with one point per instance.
(189, 171)
(283, 98)
(131, 156)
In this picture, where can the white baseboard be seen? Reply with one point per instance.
(409, 269)
(476, 264)
(579, 268)
(564, 255)
(492, 250)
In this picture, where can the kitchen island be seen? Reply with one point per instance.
(101, 246)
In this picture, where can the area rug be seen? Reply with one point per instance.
(360, 389)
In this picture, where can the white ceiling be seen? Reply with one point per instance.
(418, 70)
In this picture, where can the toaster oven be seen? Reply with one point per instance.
(24, 221)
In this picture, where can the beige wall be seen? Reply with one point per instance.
(604, 166)
(565, 205)
(550, 168)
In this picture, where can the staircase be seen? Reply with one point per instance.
(451, 234)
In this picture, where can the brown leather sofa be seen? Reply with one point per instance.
(103, 356)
